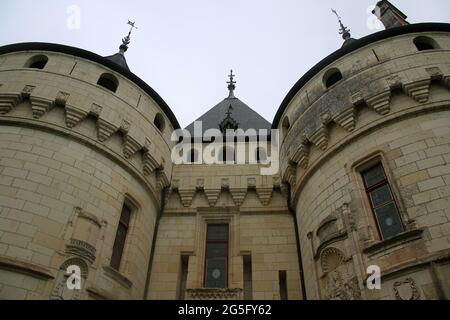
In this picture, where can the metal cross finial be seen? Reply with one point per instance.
(126, 40)
(231, 76)
(131, 23)
(343, 30)
(231, 84)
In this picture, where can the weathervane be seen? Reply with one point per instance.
(126, 40)
(344, 30)
(231, 84)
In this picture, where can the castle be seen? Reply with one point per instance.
(93, 205)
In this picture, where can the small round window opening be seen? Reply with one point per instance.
(332, 77)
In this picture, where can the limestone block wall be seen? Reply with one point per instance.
(392, 106)
(260, 226)
(71, 154)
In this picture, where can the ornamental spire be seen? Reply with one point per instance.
(343, 30)
(126, 41)
(231, 85)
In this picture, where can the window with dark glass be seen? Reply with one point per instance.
(121, 235)
(216, 264)
(382, 202)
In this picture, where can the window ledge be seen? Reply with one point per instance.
(25, 267)
(393, 242)
(117, 276)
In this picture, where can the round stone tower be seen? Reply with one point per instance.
(366, 152)
(85, 154)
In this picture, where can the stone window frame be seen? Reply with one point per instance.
(363, 164)
(216, 215)
(135, 212)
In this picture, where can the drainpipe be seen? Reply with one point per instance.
(297, 240)
(155, 234)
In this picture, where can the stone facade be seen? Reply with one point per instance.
(73, 153)
(391, 107)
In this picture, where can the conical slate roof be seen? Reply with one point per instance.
(119, 59)
(245, 117)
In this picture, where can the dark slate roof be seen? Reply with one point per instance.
(351, 47)
(119, 59)
(246, 117)
(39, 46)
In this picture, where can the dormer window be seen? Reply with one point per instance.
(37, 62)
(108, 81)
(159, 122)
(425, 43)
(332, 77)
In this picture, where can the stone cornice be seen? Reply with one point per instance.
(301, 179)
(25, 267)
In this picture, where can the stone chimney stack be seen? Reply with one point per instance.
(389, 15)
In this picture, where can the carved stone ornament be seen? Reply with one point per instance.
(406, 290)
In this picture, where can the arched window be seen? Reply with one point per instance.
(227, 155)
(285, 126)
(425, 43)
(193, 156)
(37, 62)
(159, 122)
(332, 77)
(261, 155)
(108, 81)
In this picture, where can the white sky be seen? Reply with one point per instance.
(185, 49)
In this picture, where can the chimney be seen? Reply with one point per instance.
(389, 15)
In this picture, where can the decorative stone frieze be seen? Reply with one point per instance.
(346, 119)
(380, 102)
(212, 195)
(320, 137)
(74, 115)
(418, 90)
(105, 129)
(215, 294)
(40, 106)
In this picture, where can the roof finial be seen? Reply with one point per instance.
(126, 40)
(231, 85)
(343, 30)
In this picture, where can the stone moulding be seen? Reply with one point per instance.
(418, 90)
(82, 249)
(264, 194)
(74, 115)
(344, 112)
(186, 196)
(238, 195)
(390, 243)
(117, 276)
(8, 102)
(25, 267)
(380, 102)
(215, 294)
(212, 195)
(301, 157)
(320, 138)
(346, 119)
(105, 129)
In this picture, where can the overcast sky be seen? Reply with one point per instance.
(185, 49)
